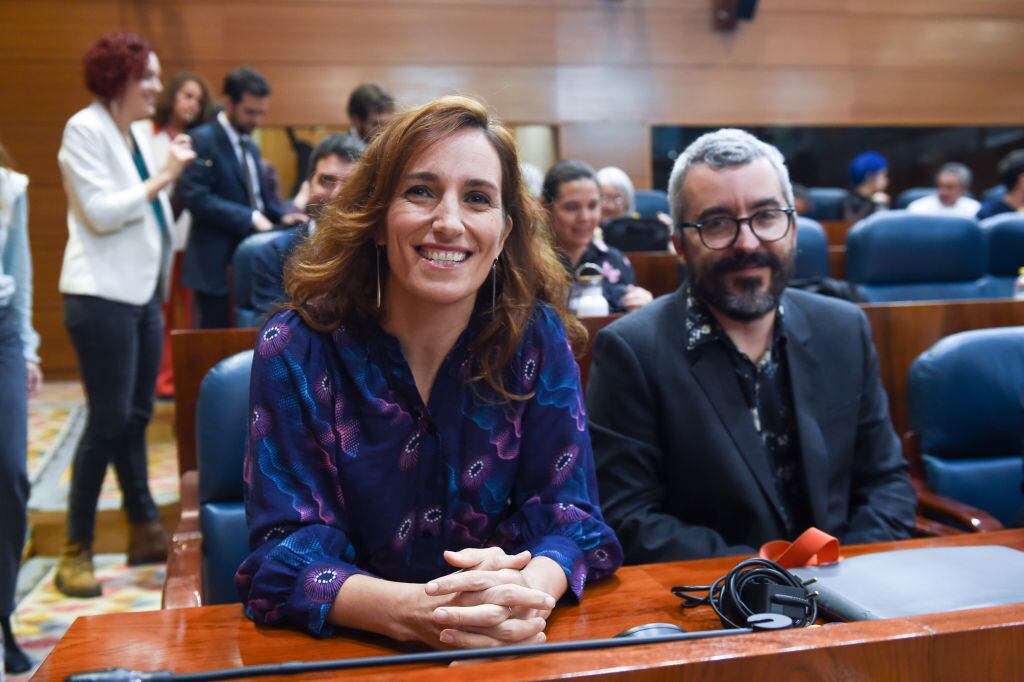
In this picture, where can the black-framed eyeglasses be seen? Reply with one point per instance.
(721, 232)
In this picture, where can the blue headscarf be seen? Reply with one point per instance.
(864, 165)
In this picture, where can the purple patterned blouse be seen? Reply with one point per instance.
(347, 471)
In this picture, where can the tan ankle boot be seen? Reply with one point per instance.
(75, 576)
(147, 543)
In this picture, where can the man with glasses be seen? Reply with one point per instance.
(736, 411)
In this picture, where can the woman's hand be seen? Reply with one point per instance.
(35, 377)
(492, 604)
(179, 155)
(636, 297)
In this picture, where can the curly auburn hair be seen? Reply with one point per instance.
(165, 103)
(112, 61)
(332, 278)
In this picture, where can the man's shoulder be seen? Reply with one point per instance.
(825, 318)
(205, 132)
(647, 322)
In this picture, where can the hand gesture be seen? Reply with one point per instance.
(35, 378)
(261, 223)
(179, 155)
(636, 297)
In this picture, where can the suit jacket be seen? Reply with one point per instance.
(116, 249)
(213, 190)
(682, 472)
(267, 268)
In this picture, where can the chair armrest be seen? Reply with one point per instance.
(183, 584)
(969, 518)
(929, 528)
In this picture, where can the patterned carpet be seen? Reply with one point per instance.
(56, 418)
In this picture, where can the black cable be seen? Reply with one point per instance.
(297, 667)
(730, 594)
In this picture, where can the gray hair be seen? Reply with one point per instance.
(616, 177)
(721, 149)
(533, 177)
(962, 173)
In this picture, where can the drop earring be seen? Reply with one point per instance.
(377, 250)
(494, 284)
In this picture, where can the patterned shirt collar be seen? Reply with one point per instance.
(703, 328)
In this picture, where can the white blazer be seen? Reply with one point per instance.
(159, 149)
(116, 249)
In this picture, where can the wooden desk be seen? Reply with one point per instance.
(979, 644)
(656, 271)
(835, 231)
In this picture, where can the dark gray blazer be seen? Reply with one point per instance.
(682, 472)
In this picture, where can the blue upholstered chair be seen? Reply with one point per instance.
(245, 315)
(811, 249)
(826, 203)
(901, 256)
(1004, 235)
(908, 196)
(222, 419)
(650, 201)
(966, 401)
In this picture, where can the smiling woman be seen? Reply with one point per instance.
(419, 463)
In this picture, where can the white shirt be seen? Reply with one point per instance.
(965, 207)
(236, 144)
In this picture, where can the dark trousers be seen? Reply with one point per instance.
(118, 348)
(14, 488)
(213, 310)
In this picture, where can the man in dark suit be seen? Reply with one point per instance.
(331, 164)
(226, 193)
(370, 107)
(736, 411)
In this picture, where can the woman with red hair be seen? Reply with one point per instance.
(114, 274)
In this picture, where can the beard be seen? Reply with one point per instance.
(745, 302)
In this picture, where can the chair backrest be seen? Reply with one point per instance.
(811, 249)
(966, 400)
(1004, 235)
(650, 201)
(636, 234)
(826, 203)
(901, 256)
(996, 192)
(222, 420)
(245, 315)
(908, 196)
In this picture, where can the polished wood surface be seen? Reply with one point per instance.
(193, 353)
(977, 644)
(902, 331)
(835, 231)
(837, 262)
(656, 271)
(603, 73)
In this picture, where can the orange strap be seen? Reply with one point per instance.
(812, 548)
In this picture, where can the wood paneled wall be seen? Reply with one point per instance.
(604, 71)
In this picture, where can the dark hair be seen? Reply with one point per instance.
(332, 278)
(1011, 168)
(562, 172)
(369, 98)
(113, 60)
(245, 80)
(165, 105)
(344, 147)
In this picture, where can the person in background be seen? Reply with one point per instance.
(20, 378)
(370, 107)
(227, 194)
(869, 179)
(1011, 174)
(184, 104)
(735, 410)
(418, 463)
(802, 202)
(952, 182)
(115, 273)
(617, 193)
(572, 197)
(333, 161)
(533, 177)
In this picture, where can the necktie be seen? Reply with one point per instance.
(243, 142)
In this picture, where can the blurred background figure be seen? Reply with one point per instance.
(1011, 174)
(184, 104)
(869, 180)
(370, 107)
(572, 197)
(115, 273)
(617, 194)
(533, 177)
(19, 378)
(952, 182)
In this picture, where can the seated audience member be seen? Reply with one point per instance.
(617, 193)
(370, 107)
(418, 463)
(952, 182)
(734, 411)
(331, 164)
(869, 178)
(572, 197)
(1011, 174)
